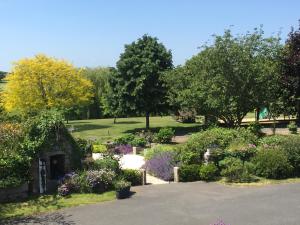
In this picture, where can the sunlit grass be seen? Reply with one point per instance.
(48, 203)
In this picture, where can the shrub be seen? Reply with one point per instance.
(292, 127)
(189, 158)
(217, 138)
(99, 148)
(139, 142)
(124, 140)
(161, 165)
(235, 171)
(255, 128)
(89, 181)
(208, 172)
(130, 139)
(133, 176)
(85, 146)
(157, 149)
(241, 150)
(123, 149)
(164, 135)
(290, 144)
(107, 162)
(272, 163)
(121, 184)
(100, 180)
(188, 173)
(63, 190)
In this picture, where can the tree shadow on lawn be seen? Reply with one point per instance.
(39, 205)
(53, 218)
(84, 127)
(128, 122)
(179, 131)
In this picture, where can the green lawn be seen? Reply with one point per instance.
(105, 129)
(47, 203)
(2, 84)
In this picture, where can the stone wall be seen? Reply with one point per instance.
(14, 194)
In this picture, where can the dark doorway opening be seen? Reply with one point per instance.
(57, 167)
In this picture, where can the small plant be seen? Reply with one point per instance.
(188, 173)
(122, 188)
(99, 148)
(108, 162)
(124, 140)
(122, 184)
(157, 149)
(164, 135)
(138, 142)
(208, 172)
(133, 176)
(241, 150)
(63, 190)
(293, 127)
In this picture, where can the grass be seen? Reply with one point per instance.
(2, 84)
(48, 203)
(106, 130)
(262, 182)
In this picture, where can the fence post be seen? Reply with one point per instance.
(143, 175)
(176, 174)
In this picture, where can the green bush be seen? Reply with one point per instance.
(107, 162)
(133, 176)
(290, 144)
(255, 128)
(157, 149)
(188, 173)
(234, 170)
(292, 127)
(241, 150)
(272, 162)
(218, 139)
(188, 157)
(84, 146)
(164, 135)
(138, 142)
(99, 148)
(130, 139)
(208, 172)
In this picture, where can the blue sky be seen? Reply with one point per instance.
(93, 33)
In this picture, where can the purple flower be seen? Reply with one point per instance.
(161, 165)
(123, 149)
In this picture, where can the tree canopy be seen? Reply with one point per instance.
(137, 84)
(43, 83)
(229, 78)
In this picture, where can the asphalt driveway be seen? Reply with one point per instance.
(187, 204)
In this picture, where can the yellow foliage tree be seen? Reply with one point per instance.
(43, 83)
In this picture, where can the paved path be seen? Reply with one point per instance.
(188, 204)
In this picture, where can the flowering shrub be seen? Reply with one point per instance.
(63, 190)
(100, 180)
(123, 149)
(161, 165)
(86, 182)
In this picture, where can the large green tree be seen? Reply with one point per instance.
(291, 71)
(99, 76)
(229, 78)
(138, 82)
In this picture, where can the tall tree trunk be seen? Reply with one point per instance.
(147, 121)
(115, 120)
(256, 114)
